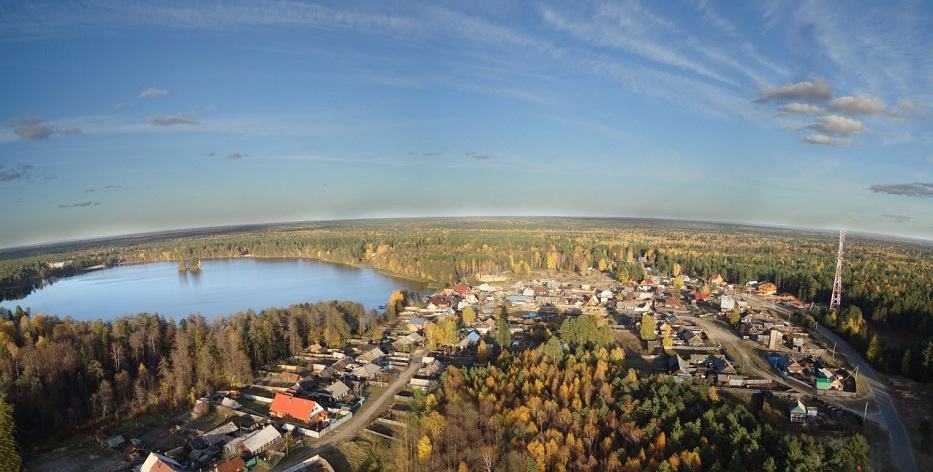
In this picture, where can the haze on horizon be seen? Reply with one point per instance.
(130, 117)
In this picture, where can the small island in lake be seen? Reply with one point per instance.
(193, 265)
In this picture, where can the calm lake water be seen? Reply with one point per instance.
(222, 287)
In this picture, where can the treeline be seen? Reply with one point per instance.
(584, 411)
(60, 374)
(889, 281)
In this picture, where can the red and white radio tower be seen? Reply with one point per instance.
(836, 299)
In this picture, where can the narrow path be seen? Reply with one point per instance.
(350, 428)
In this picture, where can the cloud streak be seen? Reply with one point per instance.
(800, 109)
(153, 93)
(35, 128)
(915, 189)
(32, 128)
(899, 218)
(21, 171)
(171, 120)
(838, 125)
(79, 205)
(813, 92)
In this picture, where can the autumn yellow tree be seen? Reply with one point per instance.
(469, 315)
(482, 352)
(666, 339)
(424, 448)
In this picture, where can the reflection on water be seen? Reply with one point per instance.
(186, 276)
(221, 287)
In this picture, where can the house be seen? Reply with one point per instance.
(317, 349)
(484, 327)
(114, 442)
(673, 303)
(159, 463)
(828, 384)
(461, 289)
(437, 303)
(233, 465)
(715, 279)
(366, 372)
(415, 324)
(219, 434)
(261, 440)
(337, 390)
(726, 304)
(470, 339)
(409, 340)
(788, 364)
(230, 403)
(678, 366)
(720, 365)
(798, 412)
(286, 406)
(486, 288)
(767, 289)
(692, 339)
(373, 355)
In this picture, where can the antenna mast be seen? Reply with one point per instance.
(836, 299)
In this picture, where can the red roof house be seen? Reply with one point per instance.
(461, 289)
(287, 406)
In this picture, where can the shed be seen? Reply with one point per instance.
(262, 440)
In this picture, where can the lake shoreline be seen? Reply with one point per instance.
(223, 286)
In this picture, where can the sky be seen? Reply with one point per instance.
(128, 117)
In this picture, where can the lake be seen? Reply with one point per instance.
(222, 287)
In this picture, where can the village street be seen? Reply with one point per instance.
(900, 443)
(887, 416)
(367, 413)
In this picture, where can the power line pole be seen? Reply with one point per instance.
(836, 300)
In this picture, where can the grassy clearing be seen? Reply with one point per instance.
(354, 455)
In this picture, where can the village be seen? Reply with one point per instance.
(701, 332)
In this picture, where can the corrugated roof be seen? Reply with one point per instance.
(262, 438)
(337, 389)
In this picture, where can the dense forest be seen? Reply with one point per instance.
(545, 409)
(61, 374)
(888, 283)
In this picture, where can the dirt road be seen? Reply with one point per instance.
(348, 429)
(900, 443)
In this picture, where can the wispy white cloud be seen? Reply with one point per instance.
(838, 125)
(856, 106)
(152, 93)
(709, 16)
(800, 109)
(35, 20)
(621, 34)
(823, 140)
(690, 94)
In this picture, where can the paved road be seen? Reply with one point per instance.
(900, 442)
(370, 410)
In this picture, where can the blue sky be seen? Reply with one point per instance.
(126, 117)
